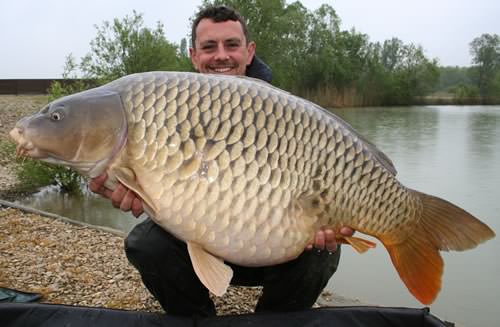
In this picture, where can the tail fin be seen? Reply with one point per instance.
(443, 226)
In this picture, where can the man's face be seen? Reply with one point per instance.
(221, 48)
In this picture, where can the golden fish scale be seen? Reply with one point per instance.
(249, 171)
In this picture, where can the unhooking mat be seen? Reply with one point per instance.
(45, 315)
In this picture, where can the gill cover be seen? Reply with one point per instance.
(84, 130)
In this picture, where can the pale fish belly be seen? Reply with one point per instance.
(250, 226)
(257, 235)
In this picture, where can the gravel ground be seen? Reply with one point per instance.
(13, 107)
(73, 264)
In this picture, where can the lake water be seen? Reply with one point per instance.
(87, 207)
(449, 151)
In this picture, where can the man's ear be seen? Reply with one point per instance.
(251, 51)
(194, 58)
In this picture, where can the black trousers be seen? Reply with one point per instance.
(166, 270)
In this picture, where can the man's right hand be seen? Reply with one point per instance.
(121, 197)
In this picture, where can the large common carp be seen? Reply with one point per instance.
(245, 172)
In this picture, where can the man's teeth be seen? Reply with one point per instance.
(222, 70)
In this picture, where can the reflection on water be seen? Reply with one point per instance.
(88, 207)
(485, 134)
(452, 152)
(394, 129)
(449, 151)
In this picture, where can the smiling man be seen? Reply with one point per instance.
(220, 45)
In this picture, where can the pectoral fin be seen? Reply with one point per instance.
(211, 271)
(127, 177)
(359, 244)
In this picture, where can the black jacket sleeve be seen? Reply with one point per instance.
(258, 69)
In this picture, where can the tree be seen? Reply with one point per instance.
(407, 72)
(451, 76)
(392, 54)
(485, 51)
(126, 47)
(318, 68)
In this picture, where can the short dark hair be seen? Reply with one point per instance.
(218, 14)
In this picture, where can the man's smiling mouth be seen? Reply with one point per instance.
(221, 69)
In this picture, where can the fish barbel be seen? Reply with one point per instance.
(245, 172)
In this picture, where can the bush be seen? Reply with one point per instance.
(461, 91)
(34, 174)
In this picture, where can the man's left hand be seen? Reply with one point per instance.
(326, 239)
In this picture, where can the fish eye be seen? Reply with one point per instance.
(56, 116)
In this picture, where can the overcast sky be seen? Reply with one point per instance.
(36, 36)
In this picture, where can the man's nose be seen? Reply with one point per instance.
(221, 53)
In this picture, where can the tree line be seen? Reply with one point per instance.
(309, 53)
(482, 79)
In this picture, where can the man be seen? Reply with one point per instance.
(220, 45)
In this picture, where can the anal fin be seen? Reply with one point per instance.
(211, 271)
(359, 244)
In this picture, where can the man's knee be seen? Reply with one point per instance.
(321, 265)
(148, 244)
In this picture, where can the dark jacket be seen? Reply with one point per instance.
(258, 69)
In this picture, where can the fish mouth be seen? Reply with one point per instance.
(25, 148)
(29, 150)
